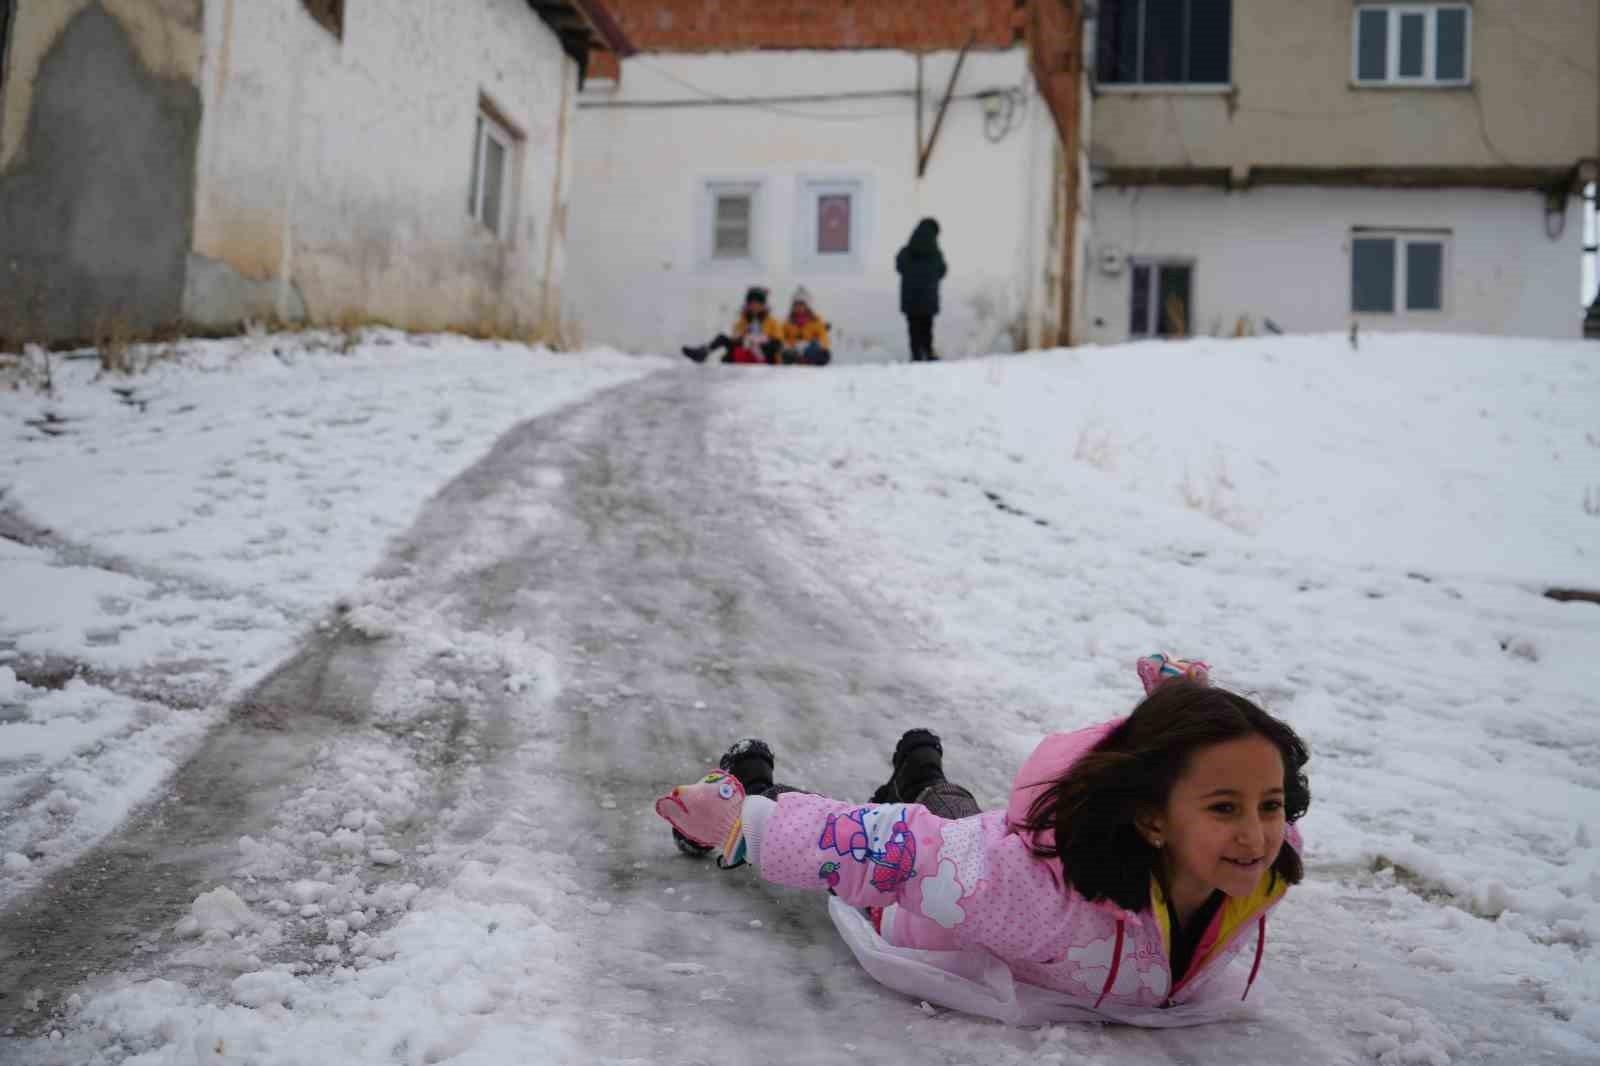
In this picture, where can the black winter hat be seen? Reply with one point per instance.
(752, 762)
(755, 294)
(914, 739)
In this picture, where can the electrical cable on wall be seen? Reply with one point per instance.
(706, 98)
(761, 105)
(1002, 110)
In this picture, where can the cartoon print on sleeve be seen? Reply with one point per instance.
(875, 835)
(1140, 966)
(960, 864)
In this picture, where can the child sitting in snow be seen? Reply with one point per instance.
(756, 336)
(805, 334)
(1134, 862)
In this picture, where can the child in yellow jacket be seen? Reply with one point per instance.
(805, 334)
(756, 336)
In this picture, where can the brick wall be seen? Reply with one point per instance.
(740, 25)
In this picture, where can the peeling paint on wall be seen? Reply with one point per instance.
(95, 209)
(164, 34)
(338, 169)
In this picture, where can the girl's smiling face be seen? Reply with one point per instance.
(1223, 823)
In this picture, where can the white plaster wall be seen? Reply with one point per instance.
(1284, 253)
(636, 271)
(342, 166)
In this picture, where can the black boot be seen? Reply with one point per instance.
(751, 761)
(698, 354)
(918, 763)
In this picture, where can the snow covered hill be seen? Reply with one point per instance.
(1361, 538)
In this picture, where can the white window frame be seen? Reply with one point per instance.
(1403, 239)
(706, 223)
(1590, 277)
(490, 128)
(810, 191)
(1430, 47)
(1154, 311)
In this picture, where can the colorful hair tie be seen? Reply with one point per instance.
(1157, 668)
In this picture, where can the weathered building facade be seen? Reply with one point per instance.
(799, 144)
(1413, 165)
(199, 163)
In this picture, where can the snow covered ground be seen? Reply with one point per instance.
(1361, 538)
(177, 530)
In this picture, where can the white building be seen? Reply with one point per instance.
(197, 163)
(700, 173)
(1312, 165)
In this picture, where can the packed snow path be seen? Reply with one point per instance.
(684, 619)
(587, 616)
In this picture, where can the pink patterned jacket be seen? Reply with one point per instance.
(974, 884)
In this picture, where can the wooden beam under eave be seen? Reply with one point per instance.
(1539, 178)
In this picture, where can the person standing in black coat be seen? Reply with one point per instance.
(921, 265)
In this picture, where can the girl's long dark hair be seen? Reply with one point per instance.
(1092, 807)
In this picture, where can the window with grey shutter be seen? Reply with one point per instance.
(494, 181)
(1451, 50)
(1424, 276)
(731, 226)
(1372, 47)
(1413, 31)
(1372, 275)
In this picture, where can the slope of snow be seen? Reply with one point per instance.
(1360, 539)
(200, 516)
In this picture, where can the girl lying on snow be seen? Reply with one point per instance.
(1134, 863)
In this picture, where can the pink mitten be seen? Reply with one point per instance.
(707, 812)
(1154, 669)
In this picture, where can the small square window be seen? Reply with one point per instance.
(328, 13)
(493, 148)
(729, 222)
(1412, 44)
(1397, 271)
(833, 224)
(1161, 300)
(830, 223)
(731, 225)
